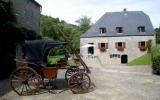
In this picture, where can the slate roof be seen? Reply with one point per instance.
(36, 3)
(129, 20)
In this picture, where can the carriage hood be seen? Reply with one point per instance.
(35, 49)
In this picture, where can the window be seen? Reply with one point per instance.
(102, 30)
(120, 46)
(91, 49)
(115, 56)
(119, 29)
(141, 29)
(142, 46)
(103, 46)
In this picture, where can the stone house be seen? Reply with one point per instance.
(28, 15)
(118, 37)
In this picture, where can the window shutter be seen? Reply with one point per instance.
(124, 46)
(99, 45)
(139, 44)
(116, 45)
(106, 46)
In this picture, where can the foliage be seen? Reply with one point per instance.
(157, 35)
(9, 35)
(8, 22)
(29, 34)
(149, 45)
(156, 65)
(155, 52)
(143, 60)
(50, 29)
(84, 23)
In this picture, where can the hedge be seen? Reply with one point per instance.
(156, 65)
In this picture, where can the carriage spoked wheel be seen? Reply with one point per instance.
(70, 72)
(79, 82)
(25, 81)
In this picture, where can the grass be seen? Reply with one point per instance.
(143, 60)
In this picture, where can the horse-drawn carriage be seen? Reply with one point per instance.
(29, 76)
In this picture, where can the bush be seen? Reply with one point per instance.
(158, 40)
(156, 65)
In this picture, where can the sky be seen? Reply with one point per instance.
(71, 10)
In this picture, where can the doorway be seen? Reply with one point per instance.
(124, 59)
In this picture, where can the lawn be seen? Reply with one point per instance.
(145, 59)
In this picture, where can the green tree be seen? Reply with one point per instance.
(84, 23)
(157, 35)
(49, 27)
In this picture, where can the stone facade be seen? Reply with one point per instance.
(131, 48)
(28, 16)
(28, 13)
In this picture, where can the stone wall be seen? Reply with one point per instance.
(28, 14)
(131, 47)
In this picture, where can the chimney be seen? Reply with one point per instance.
(125, 10)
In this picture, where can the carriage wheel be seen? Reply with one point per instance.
(25, 81)
(70, 72)
(79, 82)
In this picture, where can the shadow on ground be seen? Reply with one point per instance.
(54, 87)
(4, 87)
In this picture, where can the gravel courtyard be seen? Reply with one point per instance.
(111, 82)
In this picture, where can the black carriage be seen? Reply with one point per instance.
(27, 78)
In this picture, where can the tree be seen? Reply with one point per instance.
(157, 30)
(49, 27)
(84, 23)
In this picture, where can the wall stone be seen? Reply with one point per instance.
(28, 14)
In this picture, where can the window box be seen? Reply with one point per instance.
(102, 49)
(143, 48)
(120, 48)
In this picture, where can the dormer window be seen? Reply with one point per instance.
(141, 29)
(102, 30)
(119, 29)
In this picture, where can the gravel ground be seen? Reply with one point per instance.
(111, 82)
